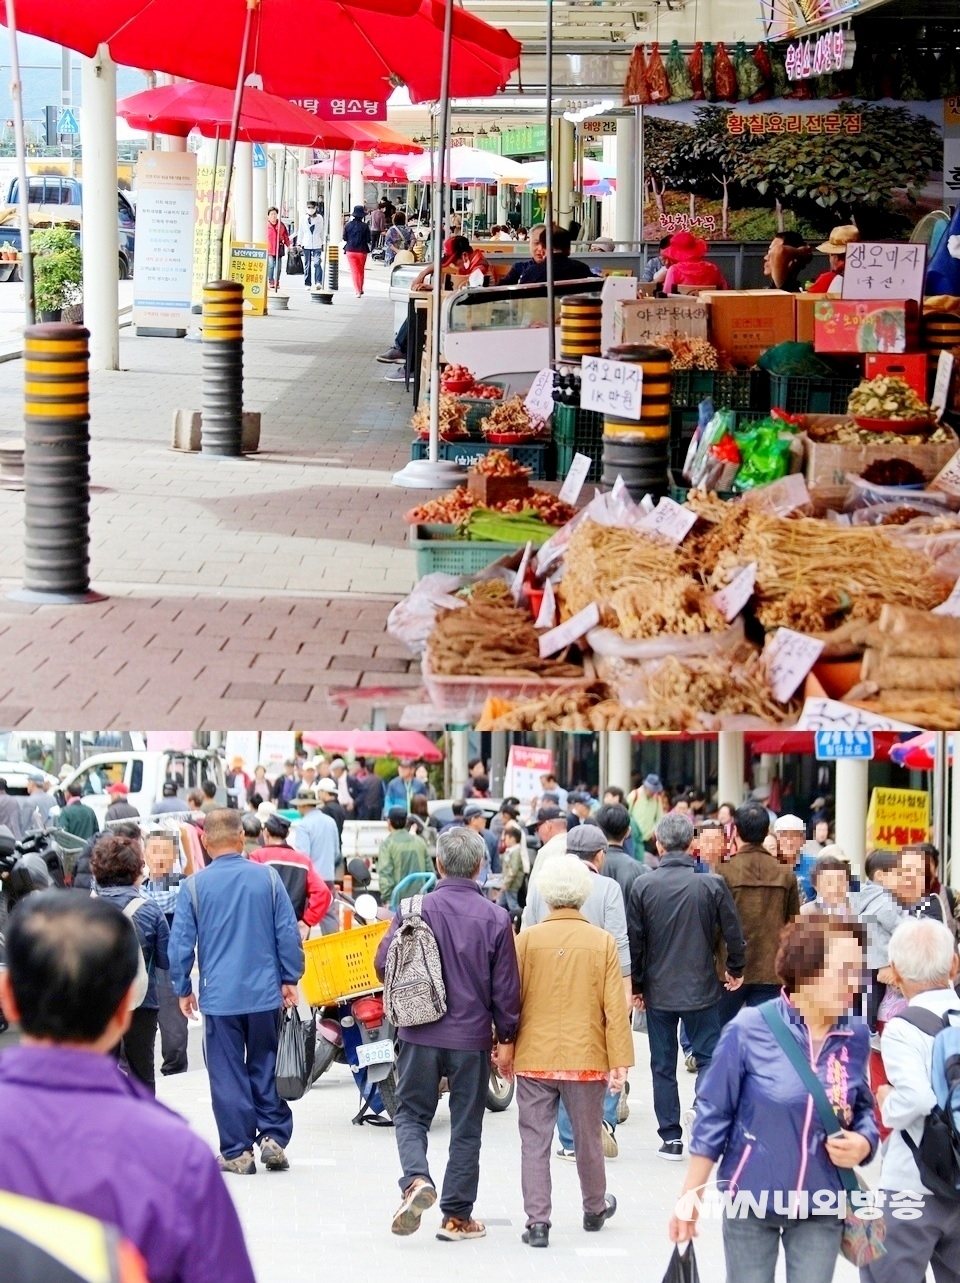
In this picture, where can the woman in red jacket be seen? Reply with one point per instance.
(277, 239)
(687, 256)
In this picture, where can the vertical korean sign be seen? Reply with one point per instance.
(163, 268)
(207, 246)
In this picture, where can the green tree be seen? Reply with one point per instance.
(706, 161)
(661, 140)
(828, 178)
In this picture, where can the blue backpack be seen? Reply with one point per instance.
(938, 1154)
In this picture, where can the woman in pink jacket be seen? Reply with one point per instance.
(687, 256)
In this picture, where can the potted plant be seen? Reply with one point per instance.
(57, 271)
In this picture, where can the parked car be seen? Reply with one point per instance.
(55, 198)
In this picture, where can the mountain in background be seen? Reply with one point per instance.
(40, 73)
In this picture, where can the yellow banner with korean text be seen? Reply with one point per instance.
(898, 817)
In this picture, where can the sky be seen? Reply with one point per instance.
(40, 73)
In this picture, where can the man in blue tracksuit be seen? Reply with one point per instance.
(238, 919)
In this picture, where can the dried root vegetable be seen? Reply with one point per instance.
(691, 354)
(491, 638)
(497, 463)
(859, 561)
(453, 418)
(511, 416)
(638, 582)
(452, 508)
(934, 710)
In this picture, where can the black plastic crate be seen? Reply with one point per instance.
(812, 394)
(729, 390)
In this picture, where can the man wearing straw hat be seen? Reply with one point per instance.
(831, 281)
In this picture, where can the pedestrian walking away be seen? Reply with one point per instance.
(356, 239)
(479, 965)
(74, 1130)
(315, 835)
(574, 1042)
(674, 917)
(401, 853)
(236, 917)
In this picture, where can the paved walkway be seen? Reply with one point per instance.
(239, 592)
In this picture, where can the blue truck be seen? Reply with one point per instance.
(55, 198)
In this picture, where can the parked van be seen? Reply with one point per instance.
(145, 774)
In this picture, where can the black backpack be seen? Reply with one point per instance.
(938, 1154)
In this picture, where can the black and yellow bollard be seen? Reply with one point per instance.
(333, 267)
(221, 431)
(639, 451)
(56, 465)
(580, 323)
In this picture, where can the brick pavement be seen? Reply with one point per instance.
(239, 592)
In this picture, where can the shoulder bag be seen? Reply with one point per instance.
(862, 1241)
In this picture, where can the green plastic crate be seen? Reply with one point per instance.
(454, 556)
(577, 431)
(811, 394)
(533, 457)
(729, 390)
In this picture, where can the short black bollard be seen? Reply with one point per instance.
(221, 430)
(333, 267)
(56, 466)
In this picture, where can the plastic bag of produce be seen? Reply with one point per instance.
(678, 75)
(657, 76)
(725, 76)
(765, 448)
(868, 494)
(793, 358)
(709, 79)
(749, 79)
(636, 91)
(696, 70)
(780, 84)
(761, 57)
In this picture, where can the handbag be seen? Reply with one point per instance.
(294, 263)
(293, 1062)
(683, 1266)
(862, 1241)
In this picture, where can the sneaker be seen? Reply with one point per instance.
(596, 1221)
(393, 357)
(610, 1147)
(398, 376)
(537, 1235)
(242, 1165)
(272, 1156)
(417, 1197)
(691, 1063)
(623, 1104)
(672, 1151)
(568, 1155)
(455, 1228)
(687, 1119)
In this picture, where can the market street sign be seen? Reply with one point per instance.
(836, 746)
(259, 157)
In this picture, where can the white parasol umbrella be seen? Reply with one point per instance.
(468, 167)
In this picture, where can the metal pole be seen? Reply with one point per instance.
(548, 211)
(938, 788)
(641, 192)
(440, 223)
(235, 121)
(16, 95)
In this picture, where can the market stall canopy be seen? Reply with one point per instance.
(594, 172)
(776, 743)
(376, 169)
(265, 118)
(918, 753)
(372, 136)
(468, 166)
(412, 744)
(361, 48)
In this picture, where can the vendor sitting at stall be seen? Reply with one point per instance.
(458, 256)
(687, 256)
(786, 257)
(831, 281)
(565, 268)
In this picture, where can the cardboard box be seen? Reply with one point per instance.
(744, 323)
(826, 465)
(647, 319)
(912, 368)
(867, 325)
(804, 304)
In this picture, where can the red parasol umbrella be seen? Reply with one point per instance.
(264, 118)
(372, 136)
(919, 752)
(354, 51)
(413, 744)
(376, 169)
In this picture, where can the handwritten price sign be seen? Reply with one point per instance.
(611, 387)
(789, 657)
(878, 270)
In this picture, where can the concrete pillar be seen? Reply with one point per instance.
(304, 157)
(100, 249)
(356, 179)
(261, 202)
(852, 799)
(730, 764)
(608, 206)
(459, 756)
(243, 191)
(952, 854)
(498, 762)
(627, 221)
(563, 195)
(619, 760)
(335, 217)
(411, 199)
(502, 203)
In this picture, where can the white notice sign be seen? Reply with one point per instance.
(611, 387)
(566, 634)
(732, 599)
(548, 607)
(570, 490)
(539, 400)
(878, 269)
(517, 585)
(163, 268)
(788, 658)
(948, 478)
(941, 385)
(670, 520)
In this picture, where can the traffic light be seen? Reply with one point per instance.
(51, 116)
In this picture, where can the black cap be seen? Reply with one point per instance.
(169, 789)
(550, 813)
(471, 812)
(397, 816)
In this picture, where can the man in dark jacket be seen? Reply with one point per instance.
(327, 793)
(674, 918)
(76, 818)
(613, 821)
(482, 981)
(120, 808)
(10, 812)
(767, 898)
